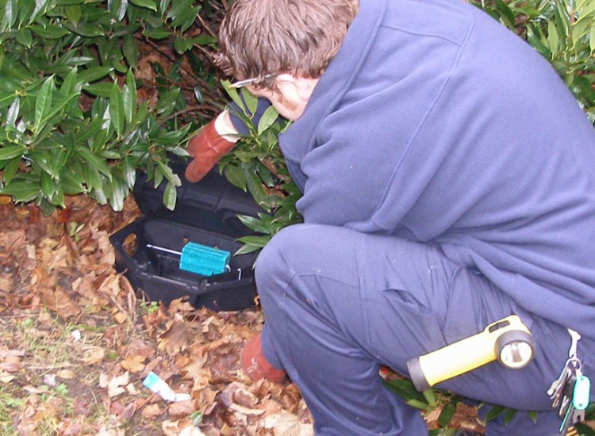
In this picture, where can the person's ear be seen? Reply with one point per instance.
(296, 86)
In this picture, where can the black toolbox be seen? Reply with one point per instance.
(205, 213)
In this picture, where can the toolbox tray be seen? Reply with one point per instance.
(205, 213)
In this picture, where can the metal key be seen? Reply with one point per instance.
(567, 421)
(578, 416)
(556, 390)
(568, 392)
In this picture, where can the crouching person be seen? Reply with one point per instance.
(448, 181)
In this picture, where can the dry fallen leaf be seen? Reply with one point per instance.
(183, 427)
(134, 364)
(116, 385)
(93, 355)
(66, 374)
(6, 377)
(177, 338)
(287, 424)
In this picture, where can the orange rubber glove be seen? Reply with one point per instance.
(256, 366)
(206, 148)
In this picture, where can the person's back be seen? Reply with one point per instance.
(449, 129)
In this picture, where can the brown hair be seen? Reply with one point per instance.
(299, 37)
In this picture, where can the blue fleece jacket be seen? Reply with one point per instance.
(436, 124)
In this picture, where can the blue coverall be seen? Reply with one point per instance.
(448, 180)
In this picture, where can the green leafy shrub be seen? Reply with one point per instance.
(78, 115)
(257, 165)
(563, 31)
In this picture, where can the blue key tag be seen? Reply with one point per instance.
(581, 393)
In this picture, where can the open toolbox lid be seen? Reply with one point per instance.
(205, 213)
(213, 193)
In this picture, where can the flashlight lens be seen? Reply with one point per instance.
(516, 354)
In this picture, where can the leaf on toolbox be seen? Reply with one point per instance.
(170, 196)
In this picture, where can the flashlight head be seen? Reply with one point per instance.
(515, 349)
(516, 354)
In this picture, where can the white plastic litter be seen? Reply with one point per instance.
(153, 382)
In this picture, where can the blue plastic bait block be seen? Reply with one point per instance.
(203, 260)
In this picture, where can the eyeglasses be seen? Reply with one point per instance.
(246, 82)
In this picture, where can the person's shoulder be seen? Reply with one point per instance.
(443, 19)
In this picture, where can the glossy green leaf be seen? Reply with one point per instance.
(447, 413)
(130, 50)
(179, 7)
(11, 152)
(116, 193)
(509, 416)
(99, 89)
(24, 37)
(269, 116)
(186, 19)
(50, 31)
(10, 170)
(22, 190)
(245, 249)
(93, 179)
(255, 241)
(157, 33)
(43, 103)
(167, 102)
(254, 186)
(117, 8)
(405, 389)
(148, 4)
(170, 196)
(48, 186)
(129, 97)
(204, 40)
(93, 73)
(552, 37)
(254, 224)
(494, 412)
(116, 109)
(235, 175)
(182, 45)
(87, 30)
(417, 404)
(95, 162)
(430, 397)
(129, 172)
(250, 100)
(12, 114)
(73, 13)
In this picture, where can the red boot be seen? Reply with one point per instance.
(256, 366)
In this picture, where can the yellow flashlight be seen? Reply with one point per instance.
(508, 340)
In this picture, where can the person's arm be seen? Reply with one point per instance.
(218, 138)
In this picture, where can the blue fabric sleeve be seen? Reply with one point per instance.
(237, 122)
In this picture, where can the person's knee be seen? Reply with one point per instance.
(275, 256)
(286, 253)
